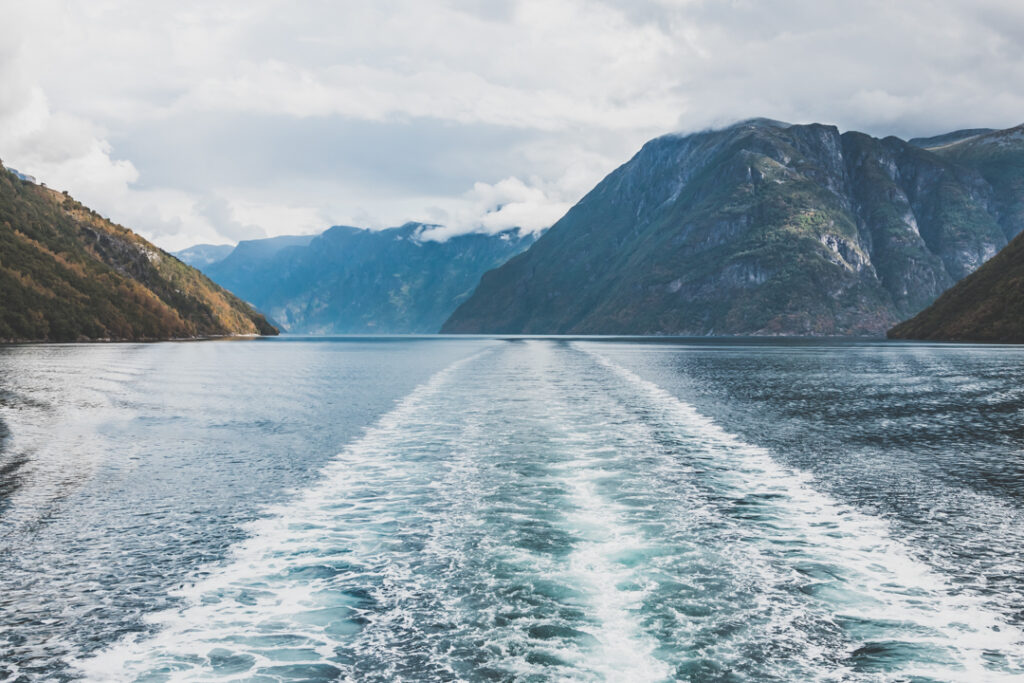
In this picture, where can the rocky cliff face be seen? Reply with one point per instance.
(355, 281)
(998, 156)
(66, 274)
(760, 228)
(986, 306)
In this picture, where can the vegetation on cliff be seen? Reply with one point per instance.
(67, 274)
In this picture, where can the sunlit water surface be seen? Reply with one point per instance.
(485, 509)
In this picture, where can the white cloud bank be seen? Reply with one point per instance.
(509, 203)
(194, 121)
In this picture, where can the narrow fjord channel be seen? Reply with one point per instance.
(529, 509)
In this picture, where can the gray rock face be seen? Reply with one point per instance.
(759, 228)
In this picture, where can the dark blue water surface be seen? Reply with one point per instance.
(511, 509)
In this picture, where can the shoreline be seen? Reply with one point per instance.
(143, 340)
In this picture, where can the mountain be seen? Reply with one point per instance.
(949, 138)
(67, 274)
(761, 228)
(355, 281)
(256, 251)
(986, 306)
(250, 264)
(202, 255)
(250, 252)
(998, 156)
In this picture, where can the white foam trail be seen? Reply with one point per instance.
(397, 511)
(615, 592)
(620, 649)
(627, 652)
(880, 579)
(545, 516)
(287, 537)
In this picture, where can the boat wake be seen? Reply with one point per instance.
(537, 511)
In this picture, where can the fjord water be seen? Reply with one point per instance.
(528, 509)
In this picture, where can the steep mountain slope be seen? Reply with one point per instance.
(67, 274)
(355, 281)
(759, 228)
(986, 306)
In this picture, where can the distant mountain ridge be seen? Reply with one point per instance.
(949, 138)
(267, 248)
(67, 274)
(763, 228)
(352, 280)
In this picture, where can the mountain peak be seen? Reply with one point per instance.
(756, 123)
(759, 228)
(760, 122)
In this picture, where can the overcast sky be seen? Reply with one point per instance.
(194, 121)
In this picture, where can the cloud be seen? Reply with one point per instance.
(60, 148)
(436, 91)
(489, 209)
(219, 212)
(197, 121)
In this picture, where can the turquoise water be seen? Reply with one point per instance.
(476, 509)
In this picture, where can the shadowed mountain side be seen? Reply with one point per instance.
(356, 281)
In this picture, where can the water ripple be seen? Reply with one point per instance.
(537, 512)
